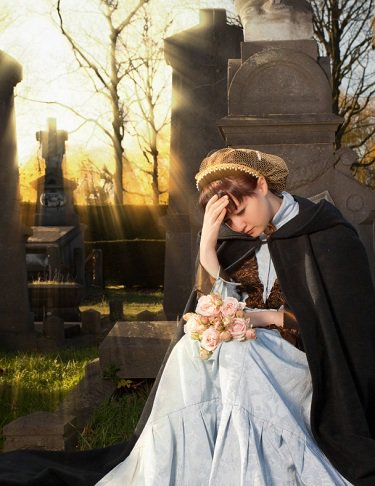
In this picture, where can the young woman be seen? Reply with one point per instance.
(295, 405)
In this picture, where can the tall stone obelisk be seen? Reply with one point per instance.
(199, 58)
(16, 323)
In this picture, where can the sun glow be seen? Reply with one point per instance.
(53, 86)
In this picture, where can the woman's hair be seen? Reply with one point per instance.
(239, 186)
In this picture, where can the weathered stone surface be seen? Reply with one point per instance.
(279, 81)
(280, 103)
(199, 58)
(40, 430)
(60, 299)
(269, 20)
(305, 46)
(136, 348)
(116, 309)
(16, 321)
(91, 322)
(90, 392)
(53, 328)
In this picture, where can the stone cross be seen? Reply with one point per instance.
(54, 193)
(53, 145)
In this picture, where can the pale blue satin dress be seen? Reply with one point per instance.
(241, 418)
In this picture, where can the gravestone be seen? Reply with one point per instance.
(54, 192)
(53, 328)
(199, 58)
(137, 348)
(91, 322)
(41, 430)
(278, 100)
(16, 322)
(56, 251)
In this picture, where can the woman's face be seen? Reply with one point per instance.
(254, 212)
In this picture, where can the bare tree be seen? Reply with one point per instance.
(150, 115)
(107, 76)
(343, 29)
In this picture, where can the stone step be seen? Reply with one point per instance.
(136, 348)
(40, 430)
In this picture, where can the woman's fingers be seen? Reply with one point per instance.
(215, 207)
(221, 216)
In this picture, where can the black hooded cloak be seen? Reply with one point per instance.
(325, 277)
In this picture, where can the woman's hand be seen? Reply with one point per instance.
(266, 318)
(213, 217)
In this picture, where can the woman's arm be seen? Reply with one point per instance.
(213, 217)
(265, 318)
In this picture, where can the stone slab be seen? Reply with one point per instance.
(40, 430)
(137, 348)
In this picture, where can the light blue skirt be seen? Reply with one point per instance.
(240, 418)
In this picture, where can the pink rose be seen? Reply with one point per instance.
(218, 324)
(251, 333)
(225, 336)
(230, 306)
(192, 325)
(206, 306)
(210, 339)
(238, 329)
(217, 300)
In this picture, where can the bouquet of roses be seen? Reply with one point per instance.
(217, 320)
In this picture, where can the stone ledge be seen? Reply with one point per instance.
(40, 430)
(137, 348)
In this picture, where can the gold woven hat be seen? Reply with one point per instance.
(228, 161)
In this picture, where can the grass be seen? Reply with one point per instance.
(31, 382)
(115, 420)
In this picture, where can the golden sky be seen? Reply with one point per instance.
(31, 35)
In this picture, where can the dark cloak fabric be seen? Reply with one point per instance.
(324, 274)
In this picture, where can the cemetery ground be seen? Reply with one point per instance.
(37, 381)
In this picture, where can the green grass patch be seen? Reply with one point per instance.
(31, 382)
(115, 420)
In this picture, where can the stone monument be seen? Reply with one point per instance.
(56, 248)
(275, 19)
(278, 99)
(55, 251)
(199, 58)
(54, 192)
(16, 322)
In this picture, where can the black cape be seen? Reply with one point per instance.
(324, 274)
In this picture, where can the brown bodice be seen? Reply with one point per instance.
(248, 276)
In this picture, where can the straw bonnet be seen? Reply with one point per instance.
(227, 161)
